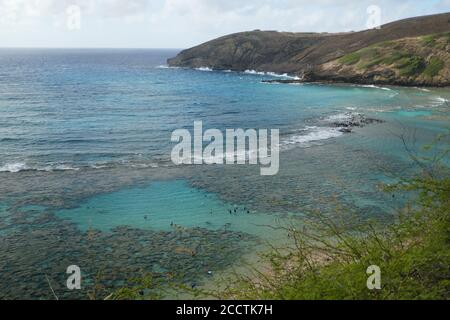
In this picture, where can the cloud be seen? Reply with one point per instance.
(181, 23)
(22, 9)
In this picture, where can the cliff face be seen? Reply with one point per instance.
(303, 54)
(423, 61)
(257, 50)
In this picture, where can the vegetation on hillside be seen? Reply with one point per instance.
(433, 40)
(434, 66)
(306, 54)
(420, 58)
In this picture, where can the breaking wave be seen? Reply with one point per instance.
(271, 74)
(375, 87)
(311, 135)
(206, 69)
(23, 167)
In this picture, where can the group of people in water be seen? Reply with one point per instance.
(233, 211)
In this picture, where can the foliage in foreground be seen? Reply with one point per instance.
(331, 255)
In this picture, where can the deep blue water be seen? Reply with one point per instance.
(75, 108)
(85, 145)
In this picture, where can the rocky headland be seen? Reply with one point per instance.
(410, 52)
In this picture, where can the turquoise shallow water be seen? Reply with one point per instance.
(420, 113)
(165, 206)
(86, 176)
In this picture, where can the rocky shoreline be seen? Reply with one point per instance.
(355, 81)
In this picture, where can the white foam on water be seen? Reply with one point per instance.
(422, 89)
(387, 110)
(436, 101)
(164, 66)
(248, 155)
(145, 165)
(312, 134)
(14, 167)
(272, 74)
(205, 69)
(375, 87)
(254, 72)
(284, 75)
(100, 166)
(22, 166)
(61, 167)
(341, 117)
(441, 100)
(250, 72)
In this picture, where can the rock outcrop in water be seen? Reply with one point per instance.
(354, 120)
(409, 52)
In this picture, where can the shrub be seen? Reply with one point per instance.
(330, 255)
(411, 65)
(394, 57)
(434, 66)
(429, 40)
(350, 59)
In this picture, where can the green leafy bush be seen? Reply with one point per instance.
(350, 59)
(394, 57)
(434, 66)
(429, 40)
(410, 66)
(330, 255)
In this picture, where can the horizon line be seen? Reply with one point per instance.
(92, 48)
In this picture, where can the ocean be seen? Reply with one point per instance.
(86, 176)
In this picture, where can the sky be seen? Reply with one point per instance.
(185, 23)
